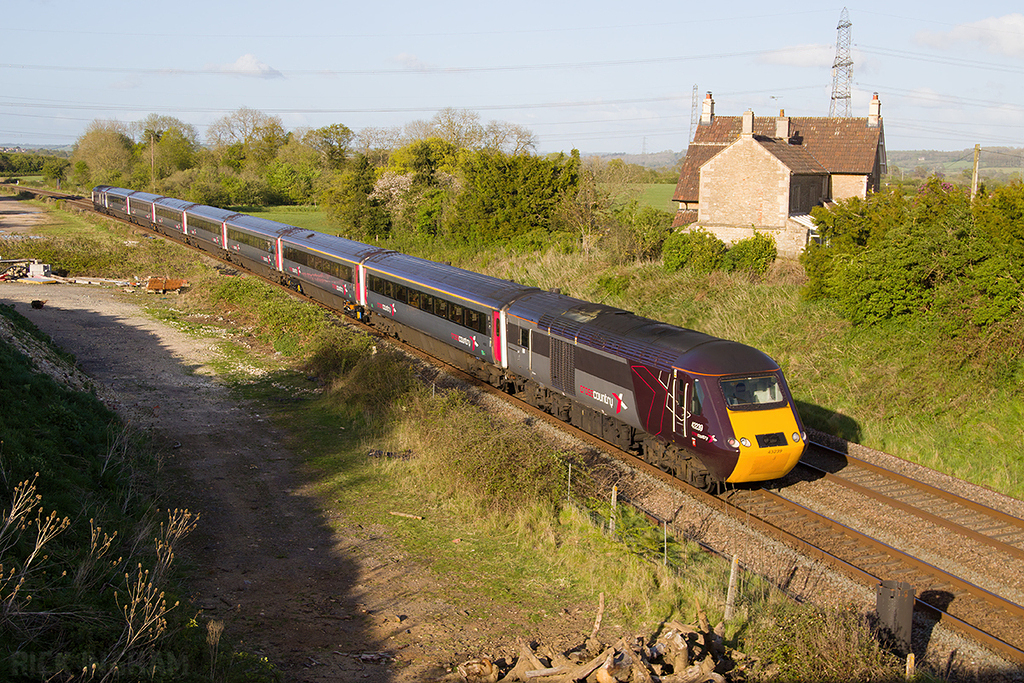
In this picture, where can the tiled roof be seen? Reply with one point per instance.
(682, 218)
(797, 158)
(839, 145)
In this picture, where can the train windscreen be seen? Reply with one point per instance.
(751, 393)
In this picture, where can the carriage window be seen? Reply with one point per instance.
(455, 313)
(401, 293)
(441, 308)
(475, 321)
(414, 298)
(251, 240)
(204, 225)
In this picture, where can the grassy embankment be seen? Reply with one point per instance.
(530, 551)
(949, 404)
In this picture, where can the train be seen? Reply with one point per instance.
(709, 411)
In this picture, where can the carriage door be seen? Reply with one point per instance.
(677, 394)
(696, 424)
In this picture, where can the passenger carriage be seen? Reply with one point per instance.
(140, 207)
(325, 268)
(111, 200)
(168, 216)
(446, 308)
(204, 226)
(253, 242)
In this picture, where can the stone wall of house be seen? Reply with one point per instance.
(845, 186)
(744, 185)
(789, 241)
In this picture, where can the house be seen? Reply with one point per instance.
(744, 173)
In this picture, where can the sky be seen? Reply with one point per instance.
(603, 76)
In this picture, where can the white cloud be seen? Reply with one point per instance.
(811, 55)
(249, 65)
(998, 35)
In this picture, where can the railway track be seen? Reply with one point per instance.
(974, 607)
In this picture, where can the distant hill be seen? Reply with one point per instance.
(994, 162)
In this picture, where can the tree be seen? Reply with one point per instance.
(351, 203)
(55, 169)
(166, 145)
(504, 196)
(248, 136)
(510, 138)
(460, 127)
(106, 149)
(645, 230)
(333, 143)
(377, 143)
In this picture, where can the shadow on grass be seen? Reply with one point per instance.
(264, 559)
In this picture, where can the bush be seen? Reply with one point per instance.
(811, 644)
(497, 466)
(697, 249)
(754, 255)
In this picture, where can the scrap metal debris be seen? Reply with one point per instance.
(162, 285)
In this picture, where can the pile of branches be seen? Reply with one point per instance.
(679, 654)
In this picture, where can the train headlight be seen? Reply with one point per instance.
(796, 437)
(746, 442)
(733, 443)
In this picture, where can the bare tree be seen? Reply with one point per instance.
(259, 134)
(243, 126)
(460, 127)
(509, 137)
(417, 130)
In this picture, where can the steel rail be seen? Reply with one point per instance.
(926, 488)
(930, 517)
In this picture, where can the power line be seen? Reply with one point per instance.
(402, 71)
(934, 59)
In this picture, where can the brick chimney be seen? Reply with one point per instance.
(874, 112)
(782, 125)
(708, 114)
(748, 123)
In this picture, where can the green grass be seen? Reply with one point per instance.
(659, 196)
(309, 217)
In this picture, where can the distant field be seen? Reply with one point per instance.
(310, 217)
(656, 195)
(659, 196)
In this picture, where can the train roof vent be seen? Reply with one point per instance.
(584, 313)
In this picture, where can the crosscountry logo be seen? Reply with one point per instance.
(611, 400)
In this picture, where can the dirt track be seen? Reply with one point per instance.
(320, 604)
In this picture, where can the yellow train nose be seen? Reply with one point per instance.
(767, 447)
